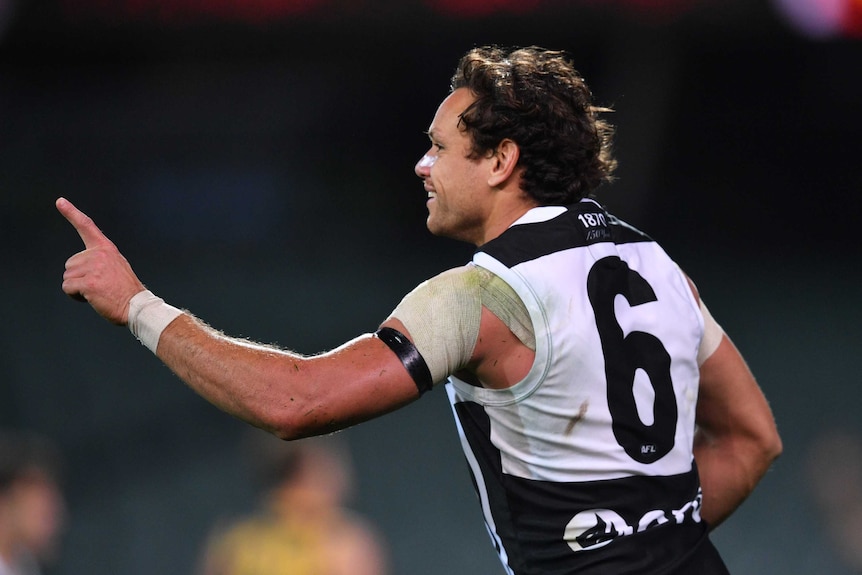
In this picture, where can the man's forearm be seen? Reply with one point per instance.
(730, 469)
(287, 394)
(244, 379)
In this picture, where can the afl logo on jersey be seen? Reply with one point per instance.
(595, 528)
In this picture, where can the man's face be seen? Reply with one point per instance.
(457, 186)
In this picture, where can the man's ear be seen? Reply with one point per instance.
(504, 162)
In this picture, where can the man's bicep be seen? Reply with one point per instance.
(363, 378)
(737, 439)
(729, 399)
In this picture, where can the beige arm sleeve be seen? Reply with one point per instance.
(712, 334)
(443, 316)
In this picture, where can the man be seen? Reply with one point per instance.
(585, 374)
(32, 508)
(302, 526)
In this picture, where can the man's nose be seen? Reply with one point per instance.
(423, 166)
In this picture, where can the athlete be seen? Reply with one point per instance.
(302, 525)
(608, 420)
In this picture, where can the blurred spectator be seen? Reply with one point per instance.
(32, 509)
(834, 466)
(302, 526)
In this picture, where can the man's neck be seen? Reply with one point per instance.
(503, 216)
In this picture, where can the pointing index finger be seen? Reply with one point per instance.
(90, 234)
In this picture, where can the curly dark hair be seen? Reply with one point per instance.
(536, 98)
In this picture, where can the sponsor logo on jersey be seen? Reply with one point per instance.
(595, 528)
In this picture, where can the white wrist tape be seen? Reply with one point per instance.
(149, 315)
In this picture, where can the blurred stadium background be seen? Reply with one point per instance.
(254, 162)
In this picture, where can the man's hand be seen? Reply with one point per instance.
(100, 274)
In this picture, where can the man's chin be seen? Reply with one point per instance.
(435, 228)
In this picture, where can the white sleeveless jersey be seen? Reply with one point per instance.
(586, 465)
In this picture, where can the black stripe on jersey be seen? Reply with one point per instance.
(526, 242)
(530, 517)
(477, 431)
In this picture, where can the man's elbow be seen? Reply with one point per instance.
(284, 432)
(763, 450)
(283, 428)
(773, 447)
(297, 422)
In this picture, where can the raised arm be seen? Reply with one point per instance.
(737, 439)
(285, 393)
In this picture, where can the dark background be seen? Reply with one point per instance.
(254, 162)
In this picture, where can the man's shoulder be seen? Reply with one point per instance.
(469, 277)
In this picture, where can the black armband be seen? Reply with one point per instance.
(409, 356)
